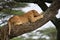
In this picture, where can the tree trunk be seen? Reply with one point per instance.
(24, 28)
(56, 22)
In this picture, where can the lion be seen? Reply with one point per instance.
(30, 16)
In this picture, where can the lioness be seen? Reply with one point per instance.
(30, 16)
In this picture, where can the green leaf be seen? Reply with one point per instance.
(16, 38)
(17, 12)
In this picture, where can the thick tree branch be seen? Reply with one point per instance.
(21, 29)
(34, 1)
(42, 5)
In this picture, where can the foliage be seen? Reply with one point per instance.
(0, 27)
(20, 5)
(15, 4)
(17, 39)
(7, 7)
(17, 12)
(49, 30)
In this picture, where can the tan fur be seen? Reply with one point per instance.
(31, 16)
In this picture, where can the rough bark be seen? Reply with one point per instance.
(24, 28)
(56, 22)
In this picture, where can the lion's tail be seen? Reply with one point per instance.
(9, 25)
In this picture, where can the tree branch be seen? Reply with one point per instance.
(42, 5)
(34, 1)
(24, 28)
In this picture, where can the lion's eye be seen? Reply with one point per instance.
(35, 16)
